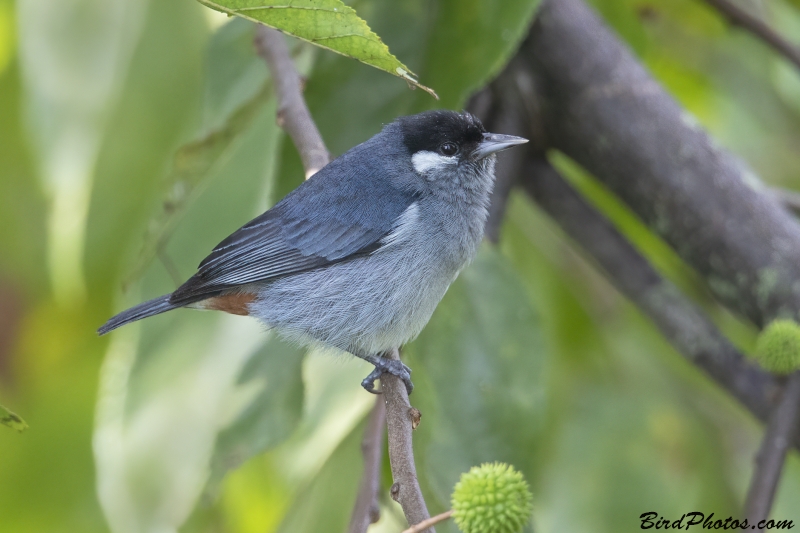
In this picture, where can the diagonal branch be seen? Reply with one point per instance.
(739, 17)
(367, 509)
(680, 321)
(293, 114)
(602, 108)
(682, 324)
(781, 430)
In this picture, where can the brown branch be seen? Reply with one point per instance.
(603, 109)
(293, 115)
(432, 521)
(781, 431)
(401, 420)
(367, 509)
(739, 17)
(681, 322)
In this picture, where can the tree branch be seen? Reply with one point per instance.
(781, 430)
(601, 108)
(293, 115)
(680, 321)
(604, 110)
(367, 509)
(739, 17)
(401, 420)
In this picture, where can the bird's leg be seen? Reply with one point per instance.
(384, 365)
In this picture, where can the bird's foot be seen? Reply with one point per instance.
(384, 365)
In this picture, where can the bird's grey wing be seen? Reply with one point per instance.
(330, 218)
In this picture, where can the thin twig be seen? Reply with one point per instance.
(739, 17)
(781, 431)
(293, 115)
(401, 420)
(432, 521)
(367, 509)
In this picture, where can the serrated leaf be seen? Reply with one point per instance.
(11, 419)
(329, 24)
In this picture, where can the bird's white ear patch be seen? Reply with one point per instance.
(425, 161)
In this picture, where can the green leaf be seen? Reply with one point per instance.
(480, 372)
(11, 419)
(271, 416)
(237, 88)
(75, 55)
(192, 166)
(457, 62)
(329, 24)
(177, 388)
(325, 503)
(625, 431)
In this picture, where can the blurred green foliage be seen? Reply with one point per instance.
(12, 420)
(532, 358)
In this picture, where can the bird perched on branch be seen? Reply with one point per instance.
(359, 255)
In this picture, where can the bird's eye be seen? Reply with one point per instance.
(448, 149)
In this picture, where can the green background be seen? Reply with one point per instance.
(532, 358)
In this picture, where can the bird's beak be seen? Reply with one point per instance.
(494, 142)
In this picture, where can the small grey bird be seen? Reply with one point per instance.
(358, 256)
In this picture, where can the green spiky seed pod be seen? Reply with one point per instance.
(491, 498)
(778, 347)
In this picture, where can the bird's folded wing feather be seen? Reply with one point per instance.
(330, 218)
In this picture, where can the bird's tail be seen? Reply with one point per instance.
(152, 307)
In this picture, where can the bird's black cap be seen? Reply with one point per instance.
(430, 130)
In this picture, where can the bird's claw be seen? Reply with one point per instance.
(388, 366)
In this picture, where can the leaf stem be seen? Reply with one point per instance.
(429, 522)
